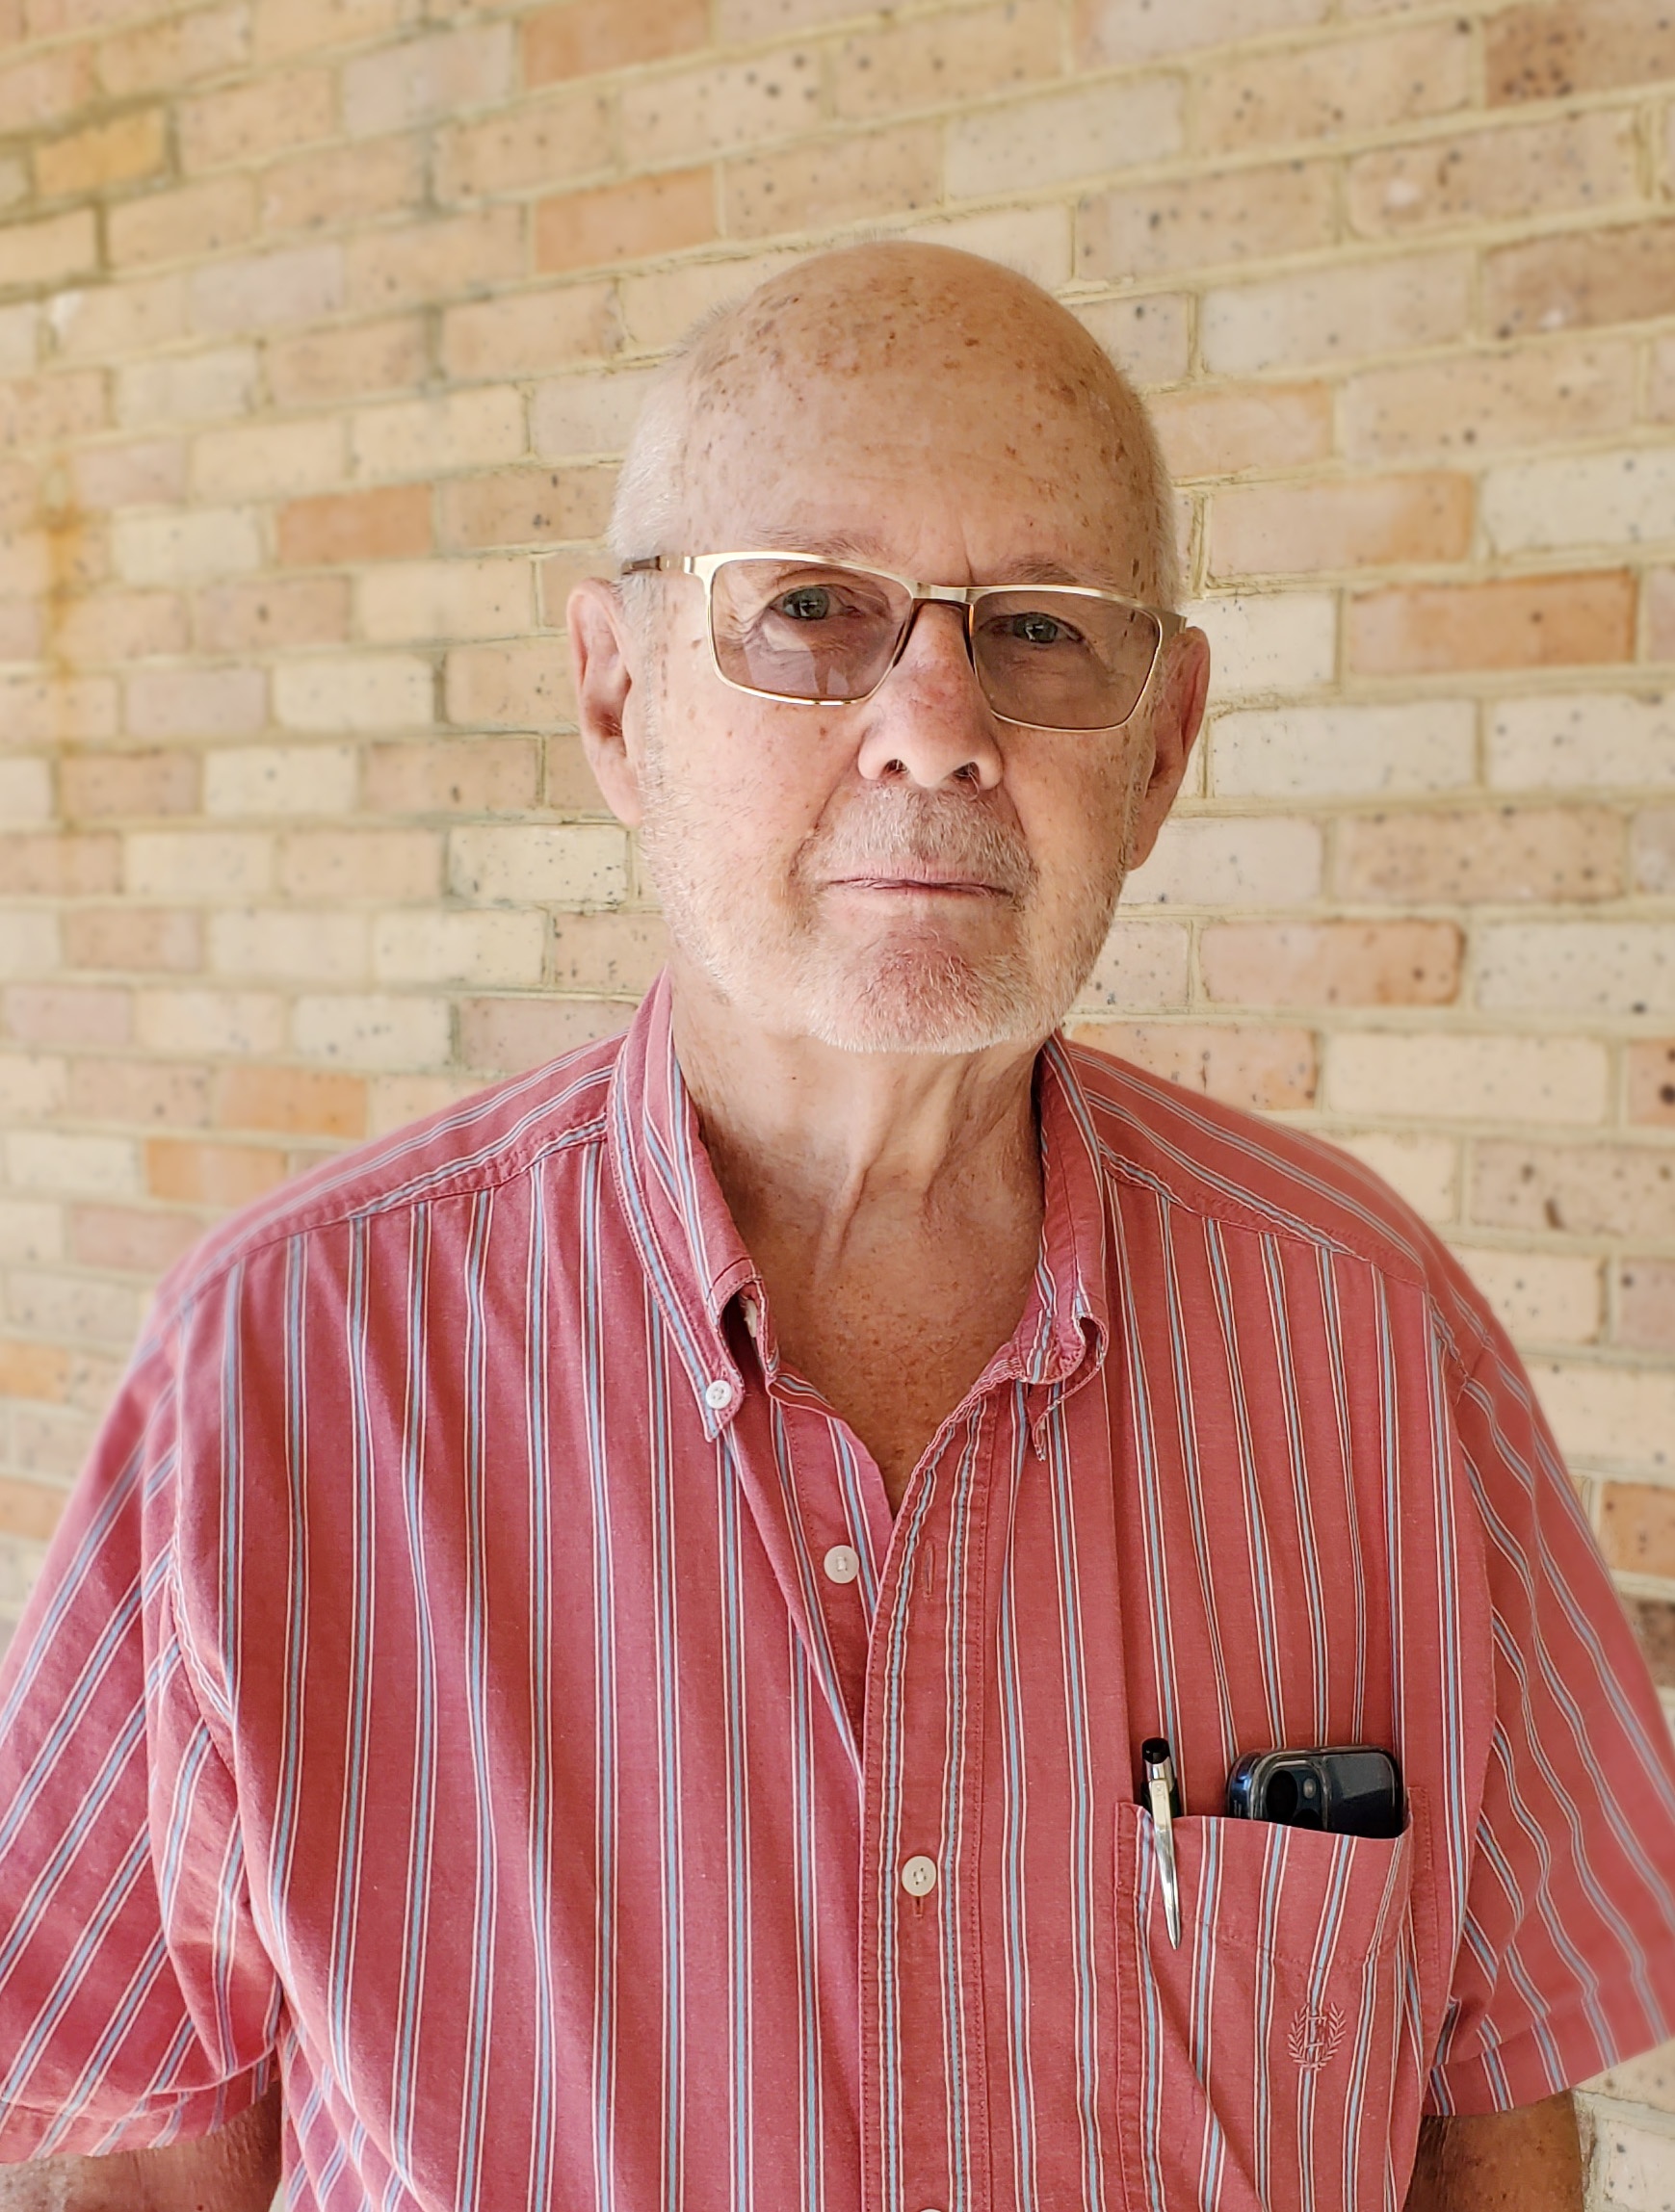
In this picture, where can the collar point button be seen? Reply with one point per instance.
(718, 1394)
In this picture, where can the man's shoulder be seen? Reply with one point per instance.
(481, 1142)
(1235, 1166)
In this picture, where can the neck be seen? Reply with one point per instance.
(809, 1141)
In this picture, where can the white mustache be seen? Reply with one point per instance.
(906, 836)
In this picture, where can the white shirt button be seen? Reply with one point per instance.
(718, 1394)
(919, 1876)
(840, 1564)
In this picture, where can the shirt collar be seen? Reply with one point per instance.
(697, 1264)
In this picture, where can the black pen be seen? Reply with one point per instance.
(1164, 1800)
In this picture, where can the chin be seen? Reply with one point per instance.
(915, 1002)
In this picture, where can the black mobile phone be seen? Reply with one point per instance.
(1347, 1789)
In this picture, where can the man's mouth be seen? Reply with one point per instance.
(944, 886)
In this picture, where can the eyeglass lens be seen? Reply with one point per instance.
(819, 632)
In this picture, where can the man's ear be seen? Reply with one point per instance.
(602, 655)
(1175, 723)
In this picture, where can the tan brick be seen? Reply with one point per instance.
(615, 953)
(1148, 339)
(658, 309)
(697, 113)
(33, 1085)
(1222, 433)
(1588, 968)
(616, 223)
(117, 627)
(296, 284)
(43, 710)
(537, 142)
(189, 547)
(1060, 136)
(588, 413)
(530, 334)
(365, 1030)
(1263, 861)
(1581, 278)
(116, 786)
(46, 410)
(56, 867)
(297, 1102)
(107, 320)
(511, 686)
(747, 19)
(425, 438)
(353, 691)
(1482, 402)
(487, 950)
(1340, 523)
(1653, 847)
(148, 473)
(268, 461)
(558, 865)
(1661, 615)
(1496, 176)
(246, 123)
(1576, 1190)
(162, 56)
(1331, 963)
(85, 1166)
(523, 506)
(115, 152)
(185, 223)
(45, 89)
(1646, 1305)
(1334, 91)
(357, 864)
(1482, 855)
(437, 599)
(321, 189)
(1119, 32)
(946, 58)
(1452, 1076)
(272, 613)
(279, 780)
(286, 27)
(50, 251)
(214, 1175)
(476, 775)
(584, 37)
(325, 366)
(428, 262)
(67, 1014)
(1636, 1529)
(1651, 1082)
(395, 1101)
(132, 938)
(195, 702)
(1549, 50)
(282, 943)
(172, 1094)
(188, 387)
(1142, 968)
(1514, 622)
(1622, 497)
(23, 629)
(1423, 1170)
(1270, 642)
(1540, 1297)
(388, 524)
(505, 1036)
(1338, 313)
(1203, 221)
(437, 74)
(1356, 751)
(833, 181)
(197, 865)
(1258, 1069)
(29, 1370)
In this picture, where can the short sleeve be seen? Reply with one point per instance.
(137, 2002)
(1567, 1959)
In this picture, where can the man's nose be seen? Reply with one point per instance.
(929, 720)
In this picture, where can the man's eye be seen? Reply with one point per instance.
(1038, 630)
(808, 603)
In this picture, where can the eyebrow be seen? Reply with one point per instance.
(870, 552)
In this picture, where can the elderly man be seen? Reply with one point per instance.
(628, 1648)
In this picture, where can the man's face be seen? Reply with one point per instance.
(909, 874)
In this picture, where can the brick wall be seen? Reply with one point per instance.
(320, 320)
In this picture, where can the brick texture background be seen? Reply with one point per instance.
(321, 324)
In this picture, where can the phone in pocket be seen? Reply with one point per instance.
(1347, 1790)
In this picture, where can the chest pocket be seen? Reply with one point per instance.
(1272, 2060)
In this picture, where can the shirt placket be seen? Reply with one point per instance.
(921, 1981)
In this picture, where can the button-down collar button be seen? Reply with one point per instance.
(718, 1394)
(840, 1564)
(919, 1876)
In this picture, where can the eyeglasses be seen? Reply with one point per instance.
(819, 633)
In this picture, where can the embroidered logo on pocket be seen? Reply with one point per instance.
(1314, 2036)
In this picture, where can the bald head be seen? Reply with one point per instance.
(888, 357)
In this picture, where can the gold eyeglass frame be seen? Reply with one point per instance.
(704, 566)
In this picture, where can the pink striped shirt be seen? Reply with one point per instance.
(477, 1680)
